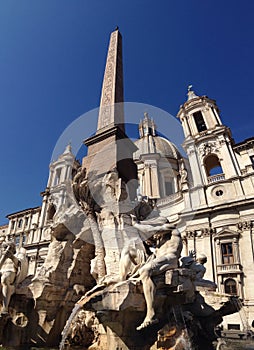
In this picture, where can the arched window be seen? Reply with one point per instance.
(20, 223)
(26, 221)
(212, 165)
(57, 176)
(230, 286)
(199, 120)
(51, 212)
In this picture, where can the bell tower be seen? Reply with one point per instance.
(55, 194)
(199, 115)
(208, 143)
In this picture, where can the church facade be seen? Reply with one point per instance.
(207, 194)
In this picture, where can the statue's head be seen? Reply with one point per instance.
(201, 258)
(21, 253)
(10, 246)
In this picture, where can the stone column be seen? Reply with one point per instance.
(236, 250)
(43, 213)
(147, 181)
(151, 184)
(227, 162)
(195, 166)
(218, 252)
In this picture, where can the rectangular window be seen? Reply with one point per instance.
(17, 240)
(235, 327)
(20, 223)
(168, 188)
(227, 253)
(199, 120)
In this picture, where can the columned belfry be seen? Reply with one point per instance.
(110, 148)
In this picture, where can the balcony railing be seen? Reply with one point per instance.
(169, 199)
(215, 178)
(229, 268)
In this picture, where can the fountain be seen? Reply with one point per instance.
(144, 301)
(112, 277)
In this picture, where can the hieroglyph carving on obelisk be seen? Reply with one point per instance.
(111, 108)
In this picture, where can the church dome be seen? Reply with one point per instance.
(156, 144)
(150, 142)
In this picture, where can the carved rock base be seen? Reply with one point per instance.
(184, 317)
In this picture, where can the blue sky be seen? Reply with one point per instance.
(52, 60)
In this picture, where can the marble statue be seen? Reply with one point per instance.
(197, 264)
(165, 257)
(183, 172)
(137, 252)
(13, 268)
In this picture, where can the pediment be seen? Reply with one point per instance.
(225, 232)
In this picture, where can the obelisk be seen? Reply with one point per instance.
(110, 166)
(111, 105)
(110, 147)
